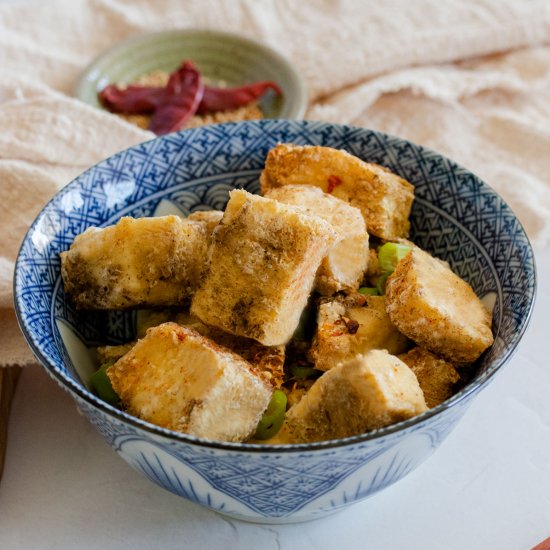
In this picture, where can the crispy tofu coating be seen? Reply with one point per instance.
(383, 198)
(180, 380)
(350, 325)
(437, 377)
(437, 309)
(367, 392)
(137, 262)
(345, 264)
(210, 218)
(267, 361)
(262, 266)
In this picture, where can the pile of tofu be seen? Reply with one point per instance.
(225, 292)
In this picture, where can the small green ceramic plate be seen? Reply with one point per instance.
(220, 56)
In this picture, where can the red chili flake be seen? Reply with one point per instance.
(224, 99)
(333, 182)
(351, 324)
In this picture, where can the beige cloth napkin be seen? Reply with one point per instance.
(415, 69)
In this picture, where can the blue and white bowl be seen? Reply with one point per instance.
(455, 216)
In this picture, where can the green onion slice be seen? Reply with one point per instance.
(381, 283)
(300, 372)
(390, 254)
(369, 291)
(274, 416)
(102, 385)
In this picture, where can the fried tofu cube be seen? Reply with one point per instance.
(352, 325)
(437, 309)
(367, 392)
(384, 199)
(267, 361)
(262, 265)
(344, 266)
(180, 380)
(437, 377)
(137, 262)
(210, 218)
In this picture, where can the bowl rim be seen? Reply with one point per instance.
(298, 99)
(402, 427)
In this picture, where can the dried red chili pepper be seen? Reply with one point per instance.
(224, 99)
(182, 96)
(133, 100)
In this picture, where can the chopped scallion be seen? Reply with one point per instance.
(369, 291)
(300, 372)
(102, 385)
(274, 416)
(390, 254)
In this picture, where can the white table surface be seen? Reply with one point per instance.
(487, 487)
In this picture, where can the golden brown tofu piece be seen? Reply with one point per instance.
(437, 309)
(137, 262)
(384, 198)
(263, 261)
(351, 325)
(367, 392)
(267, 361)
(345, 264)
(436, 377)
(210, 218)
(180, 380)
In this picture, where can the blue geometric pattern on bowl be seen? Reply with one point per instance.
(455, 216)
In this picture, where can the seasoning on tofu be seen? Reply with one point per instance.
(367, 392)
(352, 325)
(383, 198)
(300, 316)
(437, 377)
(437, 309)
(343, 268)
(262, 264)
(140, 262)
